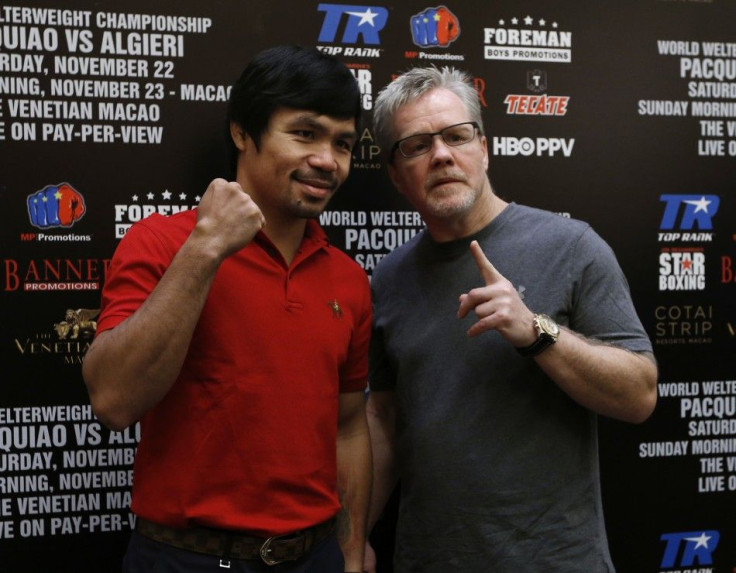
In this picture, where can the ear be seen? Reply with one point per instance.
(484, 144)
(238, 135)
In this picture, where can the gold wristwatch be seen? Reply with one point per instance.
(547, 330)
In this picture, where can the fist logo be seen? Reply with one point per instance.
(55, 206)
(434, 27)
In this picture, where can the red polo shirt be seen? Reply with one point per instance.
(245, 439)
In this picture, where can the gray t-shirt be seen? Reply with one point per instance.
(499, 467)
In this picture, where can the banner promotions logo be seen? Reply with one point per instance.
(55, 206)
(434, 27)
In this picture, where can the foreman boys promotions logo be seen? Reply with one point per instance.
(127, 214)
(523, 39)
(55, 206)
(434, 27)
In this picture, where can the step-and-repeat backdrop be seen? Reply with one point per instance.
(619, 113)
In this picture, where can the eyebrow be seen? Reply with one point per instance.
(311, 120)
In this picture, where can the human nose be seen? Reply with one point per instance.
(440, 152)
(323, 158)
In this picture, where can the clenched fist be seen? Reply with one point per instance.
(227, 217)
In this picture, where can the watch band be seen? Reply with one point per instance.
(548, 332)
(543, 342)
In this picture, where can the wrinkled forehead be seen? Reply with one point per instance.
(430, 112)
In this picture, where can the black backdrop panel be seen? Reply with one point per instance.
(621, 114)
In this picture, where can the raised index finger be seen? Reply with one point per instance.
(487, 271)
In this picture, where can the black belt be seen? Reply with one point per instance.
(232, 545)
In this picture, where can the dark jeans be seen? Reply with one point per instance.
(147, 556)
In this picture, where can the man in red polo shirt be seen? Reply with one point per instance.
(238, 336)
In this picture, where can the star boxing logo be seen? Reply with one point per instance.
(683, 214)
(362, 23)
(364, 77)
(681, 269)
(523, 40)
(688, 549)
(434, 28)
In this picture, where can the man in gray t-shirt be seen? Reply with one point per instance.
(500, 333)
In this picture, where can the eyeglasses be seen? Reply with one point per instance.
(421, 143)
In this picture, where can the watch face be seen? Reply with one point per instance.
(546, 324)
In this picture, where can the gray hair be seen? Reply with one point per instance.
(415, 83)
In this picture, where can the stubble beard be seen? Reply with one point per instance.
(444, 203)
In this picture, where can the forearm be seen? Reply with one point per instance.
(385, 474)
(605, 379)
(354, 486)
(128, 369)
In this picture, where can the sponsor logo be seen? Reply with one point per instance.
(688, 218)
(536, 81)
(57, 206)
(77, 323)
(126, 215)
(53, 275)
(434, 27)
(528, 146)
(683, 324)
(688, 549)
(68, 340)
(544, 104)
(727, 270)
(54, 206)
(681, 269)
(359, 24)
(364, 77)
(527, 40)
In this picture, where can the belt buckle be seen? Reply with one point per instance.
(265, 550)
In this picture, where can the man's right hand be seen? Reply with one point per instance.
(227, 217)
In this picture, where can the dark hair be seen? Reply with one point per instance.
(295, 77)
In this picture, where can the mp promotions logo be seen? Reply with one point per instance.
(685, 214)
(358, 24)
(434, 27)
(54, 206)
(688, 549)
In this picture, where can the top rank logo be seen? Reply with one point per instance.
(362, 22)
(528, 44)
(688, 213)
(688, 549)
